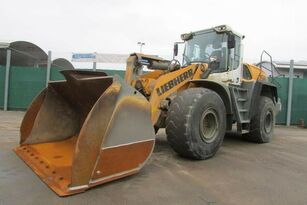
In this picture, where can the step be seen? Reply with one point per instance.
(245, 121)
(244, 131)
(242, 89)
(243, 110)
(241, 99)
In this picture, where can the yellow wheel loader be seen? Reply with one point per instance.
(92, 128)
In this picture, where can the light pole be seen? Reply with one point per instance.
(141, 44)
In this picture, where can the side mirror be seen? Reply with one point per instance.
(231, 43)
(175, 49)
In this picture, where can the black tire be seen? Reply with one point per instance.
(189, 114)
(262, 124)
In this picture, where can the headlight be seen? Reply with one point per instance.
(222, 28)
(186, 36)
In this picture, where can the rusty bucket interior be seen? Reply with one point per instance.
(87, 130)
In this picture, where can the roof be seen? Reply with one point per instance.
(23, 54)
(225, 28)
(28, 54)
(62, 64)
(286, 64)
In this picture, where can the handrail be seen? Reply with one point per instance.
(271, 61)
(270, 70)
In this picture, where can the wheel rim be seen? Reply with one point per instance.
(209, 125)
(268, 122)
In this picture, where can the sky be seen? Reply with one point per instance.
(115, 26)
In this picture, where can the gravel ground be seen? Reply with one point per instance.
(240, 173)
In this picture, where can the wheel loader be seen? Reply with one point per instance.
(93, 128)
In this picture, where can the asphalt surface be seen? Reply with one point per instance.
(240, 173)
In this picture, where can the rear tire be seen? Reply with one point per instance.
(196, 123)
(262, 124)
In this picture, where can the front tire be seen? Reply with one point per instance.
(262, 124)
(196, 123)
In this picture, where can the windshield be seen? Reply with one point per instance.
(206, 47)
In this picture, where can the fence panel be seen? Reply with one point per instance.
(55, 74)
(25, 84)
(299, 100)
(2, 79)
(282, 90)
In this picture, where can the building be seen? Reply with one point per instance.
(281, 68)
(27, 54)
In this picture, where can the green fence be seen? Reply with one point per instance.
(55, 74)
(27, 82)
(281, 117)
(2, 78)
(299, 100)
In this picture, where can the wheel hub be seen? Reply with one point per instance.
(268, 122)
(209, 125)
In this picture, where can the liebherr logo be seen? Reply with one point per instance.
(172, 83)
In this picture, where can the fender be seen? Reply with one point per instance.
(263, 88)
(222, 90)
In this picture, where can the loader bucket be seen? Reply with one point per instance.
(85, 131)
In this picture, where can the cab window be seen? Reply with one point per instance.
(234, 55)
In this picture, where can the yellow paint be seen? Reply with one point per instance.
(155, 99)
(256, 72)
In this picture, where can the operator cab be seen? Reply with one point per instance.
(220, 47)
